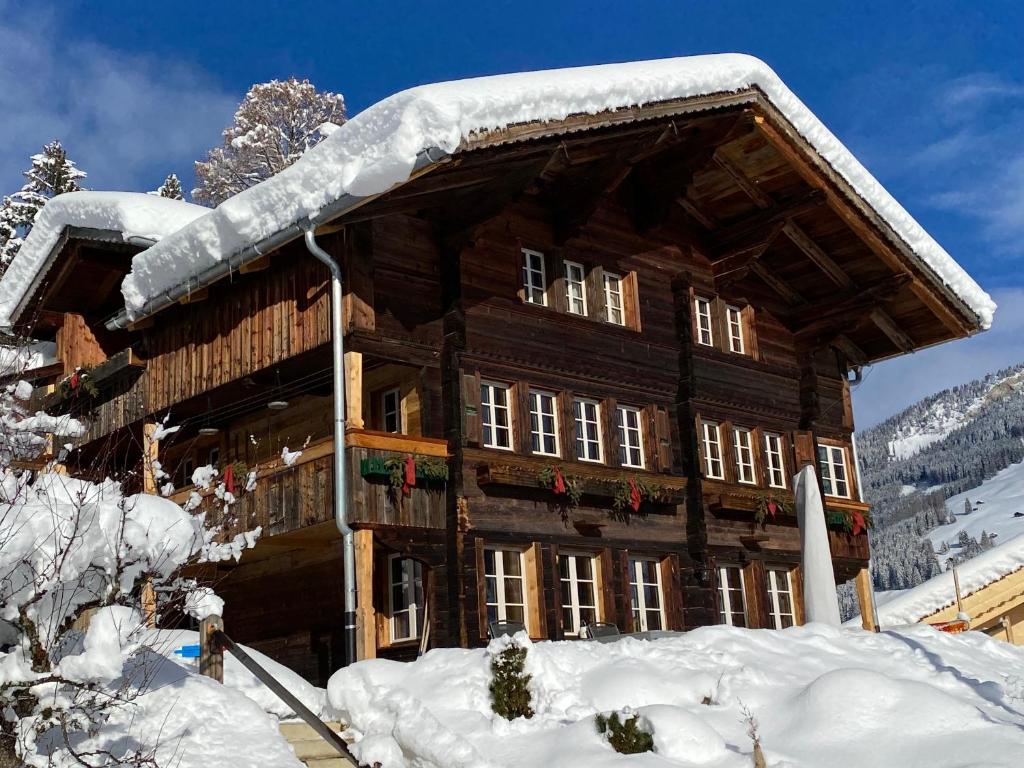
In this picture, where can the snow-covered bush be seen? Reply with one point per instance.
(627, 737)
(510, 688)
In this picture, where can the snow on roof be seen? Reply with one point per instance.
(378, 148)
(915, 604)
(132, 214)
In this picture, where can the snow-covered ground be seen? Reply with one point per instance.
(820, 696)
(994, 502)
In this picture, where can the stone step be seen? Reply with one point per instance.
(311, 748)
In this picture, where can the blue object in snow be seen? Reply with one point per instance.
(188, 651)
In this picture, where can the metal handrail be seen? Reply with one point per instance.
(305, 713)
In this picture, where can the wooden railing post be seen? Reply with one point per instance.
(366, 618)
(868, 619)
(354, 390)
(211, 655)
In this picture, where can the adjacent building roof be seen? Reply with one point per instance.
(382, 146)
(117, 216)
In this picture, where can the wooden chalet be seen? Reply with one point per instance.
(603, 345)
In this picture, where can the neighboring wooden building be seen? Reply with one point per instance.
(662, 305)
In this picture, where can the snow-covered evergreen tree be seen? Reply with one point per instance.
(274, 125)
(170, 188)
(967, 507)
(52, 173)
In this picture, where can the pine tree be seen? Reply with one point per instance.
(51, 174)
(967, 507)
(170, 188)
(275, 123)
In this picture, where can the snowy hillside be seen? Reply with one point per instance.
(994, 504)
(819, 696)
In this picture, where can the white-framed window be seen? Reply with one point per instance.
(743, 454)
(647, 598)
(734, 322)
(405, 595)
(505, 585)
(732, 605)
(712, 438)
(391, 410)
(495, 415)
(832, 463)
(543, 423)
(631, 437)
(704, 333)
(780, 597)
(575, 288)
(774, 464)
(613, 308)
(578, 575)
(587, 414)
(534, 278)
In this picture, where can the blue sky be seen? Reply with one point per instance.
(929, 95)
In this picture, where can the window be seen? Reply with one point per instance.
(774, 464)
(704, 334)
(543, 423)
(533, 278)
(631, 452)
(495, 415)
(832, 463)
(506, 591)
(588, 429)
(613, 299)
(391, 410)
(743, 451)
(575, 288)
(780, 597)
(406, 598)
(185, 470)
(213, 458)
(712, 450)
(732, 608)
(645, 583)
(579, 592)
(734, 322)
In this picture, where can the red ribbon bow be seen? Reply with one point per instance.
(73, 381)
(410, 476)
(858, 523)
(634, 495)
(772, 509)
(229, 479)
(559, 485)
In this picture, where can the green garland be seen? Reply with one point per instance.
(573, 487)
(83, 383)
(762, 511)
(844, 520)
(650, 493)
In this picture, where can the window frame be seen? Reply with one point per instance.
(536, 420)
(568, 266)
(609, 308)
(397, 392)
(737, 454)
(528, 273)
(699, 315)
(726, 610)
(575, 605)
(706, 446)
(625, 446)
(828, 479)
(734, 321)
(501, 604)
(581, 402)
(413, 609)
(638, 600)
(490, 409)
(769, 464)
(774, 607)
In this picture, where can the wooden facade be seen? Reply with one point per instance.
(665, 311)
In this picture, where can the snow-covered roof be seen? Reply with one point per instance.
(918, 603)
(378, 149)
(129, 214)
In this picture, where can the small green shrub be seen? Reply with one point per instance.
(626, 738)
(510, 693)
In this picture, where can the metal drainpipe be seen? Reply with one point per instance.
(340, 494)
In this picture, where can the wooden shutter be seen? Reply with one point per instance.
(661, 457)
(471, 427)
(520, 401)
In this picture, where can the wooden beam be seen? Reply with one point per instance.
(199, 294)
(780, 287)
(211, 655)
(256, 265)
(749, 187)
(854, 354)
(847, 304)
(150, 454)
(694, 211)
(354, 390)
(366, 615)
(734, 264)
(889, 327)
(868, 620)
(814, 252)
(757, 221)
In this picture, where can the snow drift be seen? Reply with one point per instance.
(821, 696)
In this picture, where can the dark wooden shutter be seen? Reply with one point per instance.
(471, 408)
(661, 458)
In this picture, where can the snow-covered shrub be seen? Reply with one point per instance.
(510, 692)
(629, 737)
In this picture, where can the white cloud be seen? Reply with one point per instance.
(127, 120)
(893, 385)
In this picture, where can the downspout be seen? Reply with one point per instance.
(340, 494)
